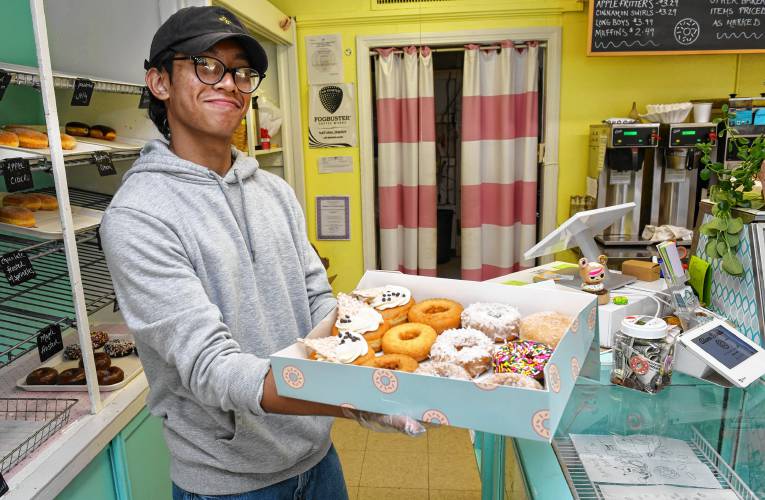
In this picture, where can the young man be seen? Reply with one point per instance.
(213, 272)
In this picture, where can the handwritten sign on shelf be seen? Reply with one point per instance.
(5, 80)
(17, 174)
(83, 91)
(17, 267)
(49, 342)
(103, 162)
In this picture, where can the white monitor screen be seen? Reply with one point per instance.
(724, 346)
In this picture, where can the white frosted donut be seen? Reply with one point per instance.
(441, 369)
(499, 322)
(512, 380)
(465, 347)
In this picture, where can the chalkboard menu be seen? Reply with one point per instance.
(633, 27)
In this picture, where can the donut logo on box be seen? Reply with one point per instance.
(538, 421)
(553, 375)
(574, 368)
(435, 417)
(592, 317)
(385, 381)
(575, 325)
(485, 386)
(293, 377)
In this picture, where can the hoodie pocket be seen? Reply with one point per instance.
(272, 443)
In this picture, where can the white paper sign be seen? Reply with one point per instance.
(324, 54)
(335, 164)
(614, 492)
(333, 218)
(331, 116)
(642, 459)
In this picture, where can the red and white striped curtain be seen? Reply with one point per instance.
(499, 159)
(406, 165)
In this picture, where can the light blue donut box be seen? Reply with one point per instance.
(511, 411)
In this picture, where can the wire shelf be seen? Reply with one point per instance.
(47, 299)
(582, 488)
(29, 76)
(25, 423)
(43, 164)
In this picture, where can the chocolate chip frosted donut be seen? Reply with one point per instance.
(440, 314)
(500, 322)
(465, 347)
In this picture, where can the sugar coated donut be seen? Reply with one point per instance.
(524, 357)
(546, 327)
(43, 376)
(440, 314)
(500, 322)
(110, 376)
(412, 339)
(441, 369)
(512, 380)
(399, 362)
(465, 347)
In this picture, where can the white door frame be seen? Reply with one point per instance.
(549, 34)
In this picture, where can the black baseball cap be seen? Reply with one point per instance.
(193, 30)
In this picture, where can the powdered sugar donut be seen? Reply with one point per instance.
(500, 322)
(441, 369)
(465, 347)
(511, 380)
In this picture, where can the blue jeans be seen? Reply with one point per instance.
(322, 482)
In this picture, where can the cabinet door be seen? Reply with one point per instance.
(95, 480)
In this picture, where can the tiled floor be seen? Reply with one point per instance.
(440, 465)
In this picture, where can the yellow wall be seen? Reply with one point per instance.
(592, 88)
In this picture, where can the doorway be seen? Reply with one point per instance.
(449, 74)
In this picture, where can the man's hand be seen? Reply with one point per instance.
(385, 423)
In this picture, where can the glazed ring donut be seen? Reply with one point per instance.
(524, 357)
(439, 314)
(110, 376)
(374, 339)
(43, 376)
(72, 376)
(411, 339)
(103, 361)
(441, 369)
(399, 362)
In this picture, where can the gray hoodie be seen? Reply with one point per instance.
(212, 275)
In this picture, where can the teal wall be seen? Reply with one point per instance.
(17, 46)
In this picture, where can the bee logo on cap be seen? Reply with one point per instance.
(224, 20)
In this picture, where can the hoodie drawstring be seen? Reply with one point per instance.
(246, 233)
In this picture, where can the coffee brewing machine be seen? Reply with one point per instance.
(675, 191)
(619, 151)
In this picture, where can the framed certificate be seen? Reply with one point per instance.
(333, 218)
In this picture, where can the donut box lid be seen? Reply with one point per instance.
(463, 403)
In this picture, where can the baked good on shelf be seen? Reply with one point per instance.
(358, 317)
(29, 138)
(18, 216)
(391, 301)
(110, 376)
(440, 314)
(47, 202)
(399, 362)
(118, 348)
(546, 327)
(412, 339)
(68, 142)
(43, 376)
(444, 370)
(8, 138)
(524, 357)
(98, 338)
(78, 129)
(72, 352)
(103, 132)
(465, 347)
(102, 360)
(23, 200)
(72, 376)
(500, 322)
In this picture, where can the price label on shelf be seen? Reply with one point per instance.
(17, 267)
(49, 342)
(143, 103)
(3, 486)
(5, 80)
(18, 175)
(103, 161)
(83, 91)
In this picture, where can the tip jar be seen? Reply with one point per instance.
(643, 354)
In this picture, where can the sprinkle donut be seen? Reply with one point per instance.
(500, 322)
(538, 423)
(440, 314)
(385, 381)
(465, 347)
(524, 357)
(293, 377)
(435, 417)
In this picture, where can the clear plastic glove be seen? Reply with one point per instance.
(385, 423)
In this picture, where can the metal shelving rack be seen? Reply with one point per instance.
(28, 76)
(42, 164)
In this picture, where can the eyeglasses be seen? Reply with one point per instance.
(210, 71)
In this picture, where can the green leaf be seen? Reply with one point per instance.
(706, 230)
(705, 174)
(732, 239)
(722, 248)
(718, 223)
(757, 204)
(711, 249)
(735, 225)
(732, 265)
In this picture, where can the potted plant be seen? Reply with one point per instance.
(732, 190)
